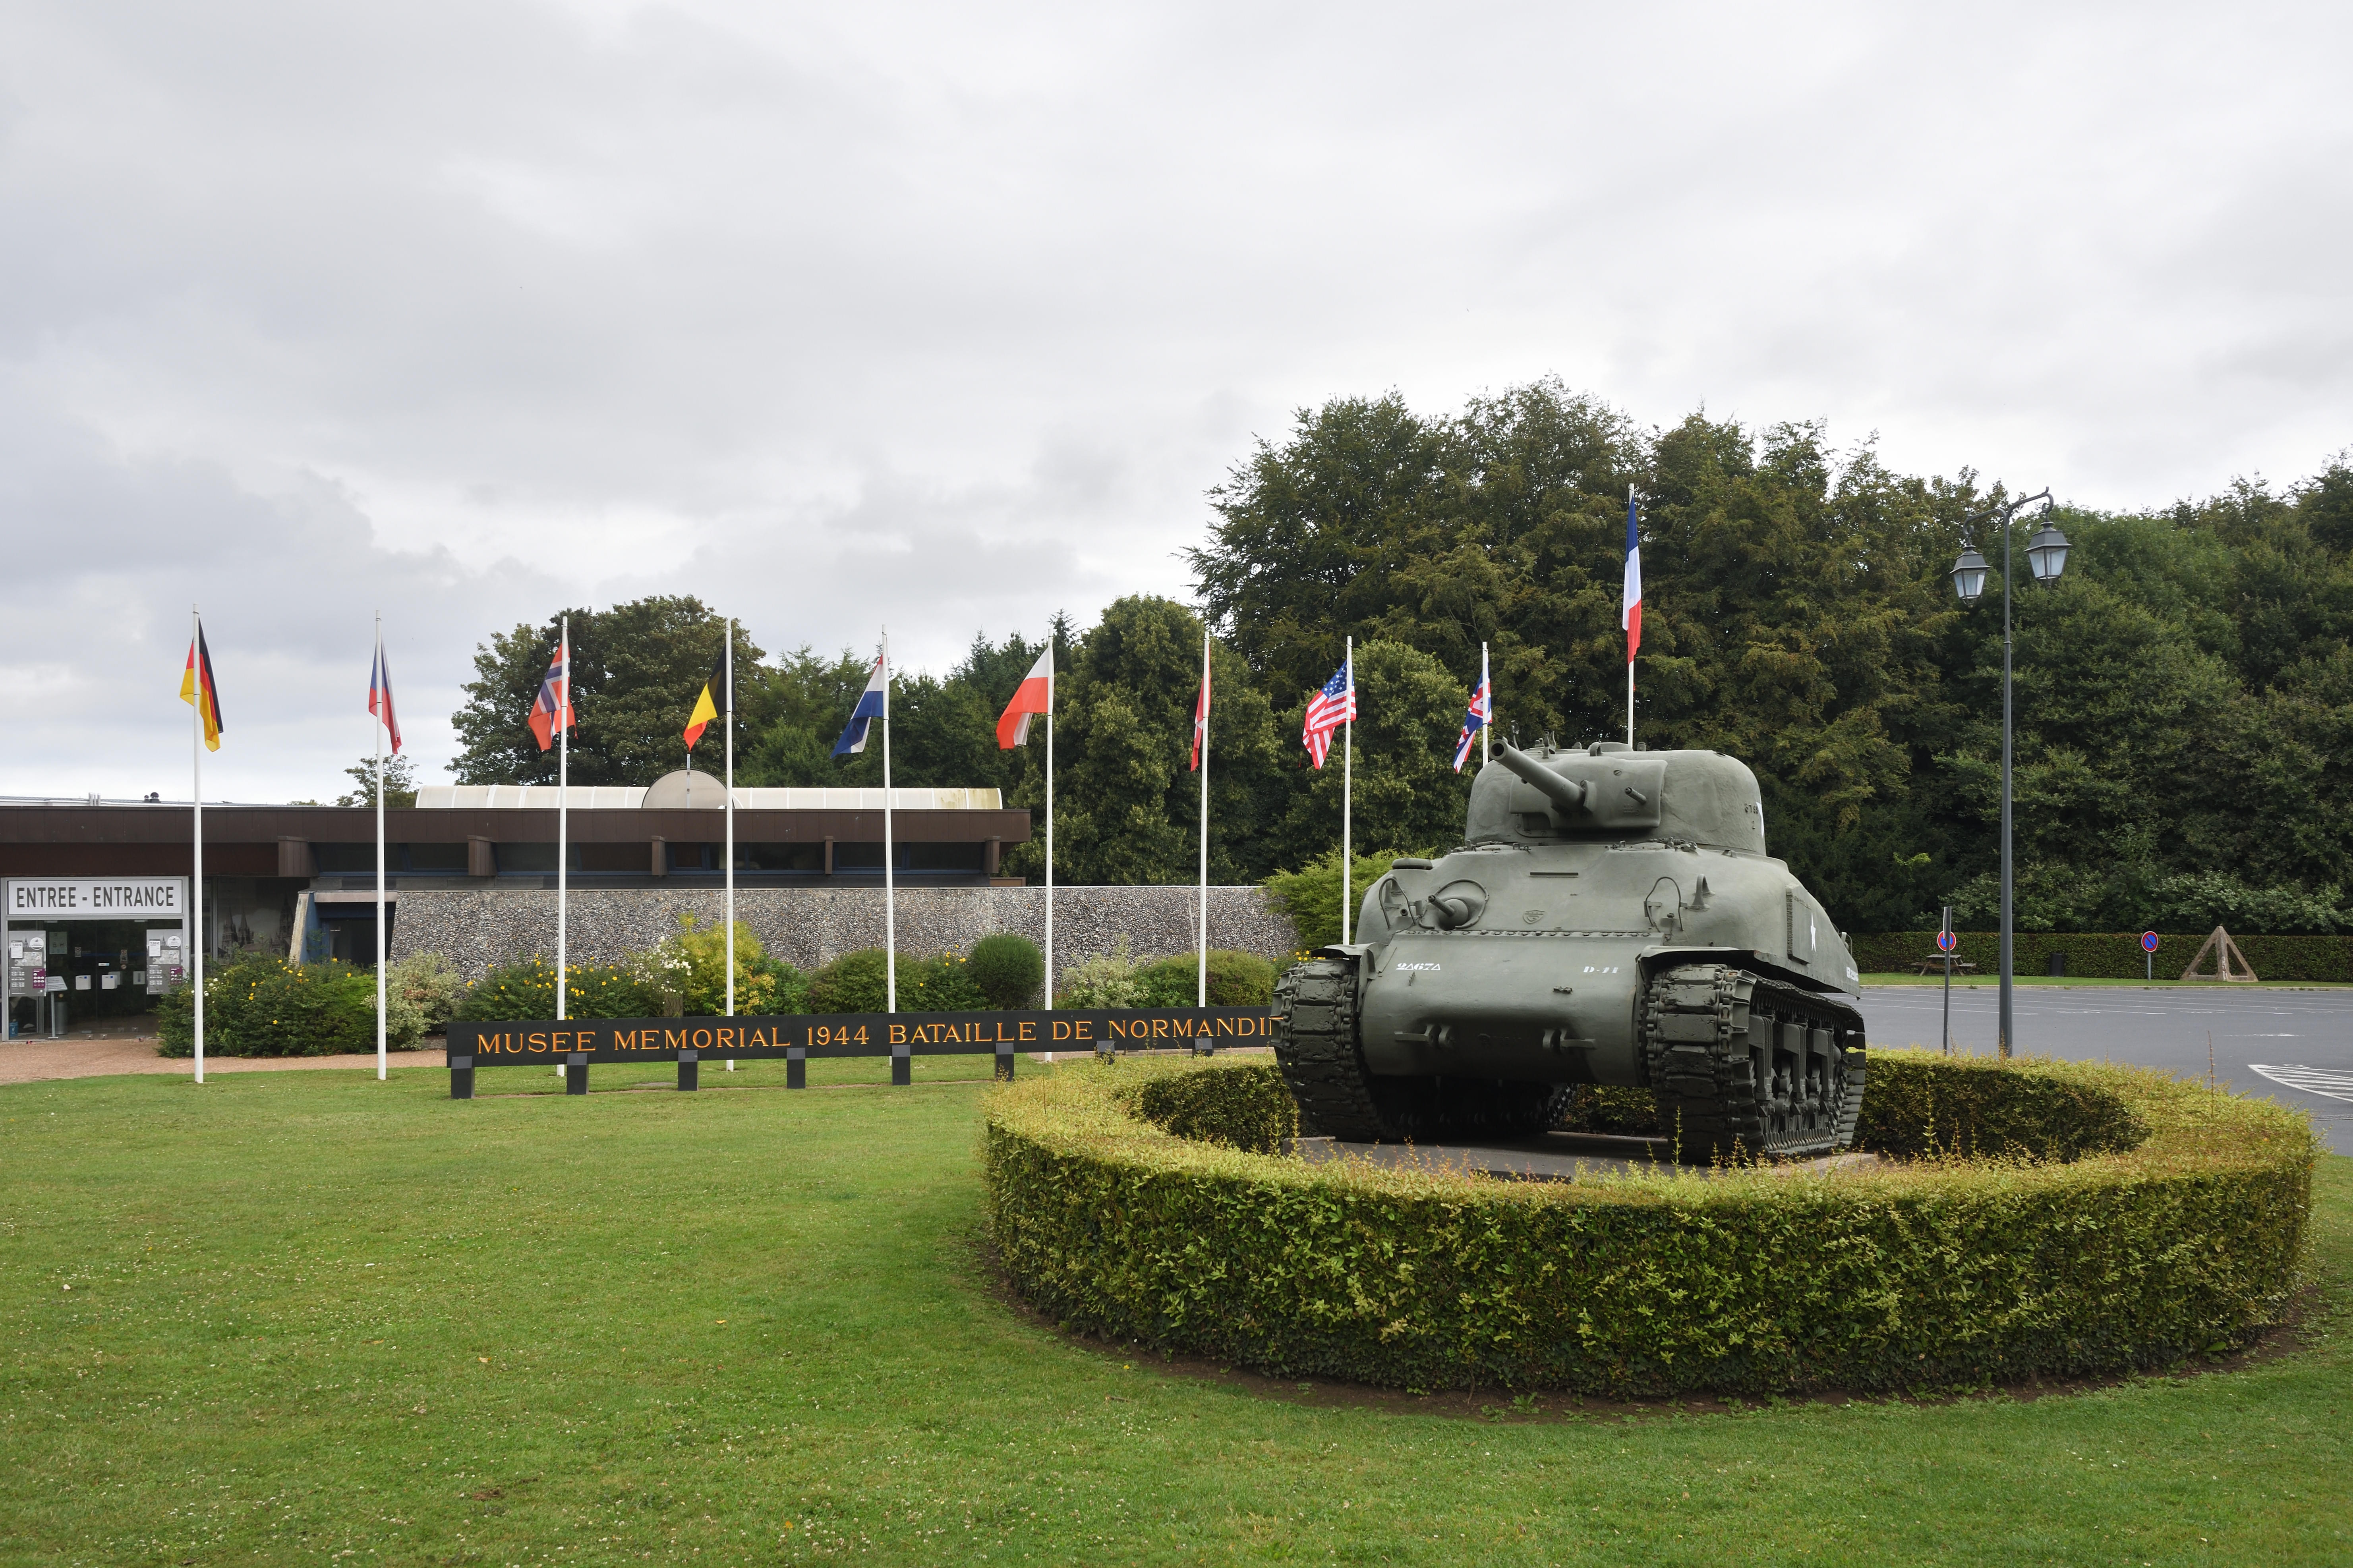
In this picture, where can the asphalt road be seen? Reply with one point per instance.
(2305, 1037)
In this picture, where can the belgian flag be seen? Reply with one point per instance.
(196, 688)
(713, 700)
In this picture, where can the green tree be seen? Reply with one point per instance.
(635, 669)
(399, 783)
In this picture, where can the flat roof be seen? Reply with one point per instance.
(616, 797)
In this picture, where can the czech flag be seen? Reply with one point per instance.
(1481, 715)
(872, 704)
(380, 694)
(1629, 614)
(712, 700)
(196, 689)
(1035, 695)
(552, 711)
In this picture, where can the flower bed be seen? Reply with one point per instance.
(2179, 1231)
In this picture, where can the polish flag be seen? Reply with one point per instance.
(1630, 616)
(1035, 695)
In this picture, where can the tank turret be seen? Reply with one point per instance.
(1611, 917)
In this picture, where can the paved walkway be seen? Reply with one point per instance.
(111, 1045)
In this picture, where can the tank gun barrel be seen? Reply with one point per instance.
(1568, 794)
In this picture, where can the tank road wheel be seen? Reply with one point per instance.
(1315, 1046)
(1749, 1067)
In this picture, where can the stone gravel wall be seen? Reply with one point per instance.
(476, 928)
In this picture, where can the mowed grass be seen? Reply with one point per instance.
(307, 1317)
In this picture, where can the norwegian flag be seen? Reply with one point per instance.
(552, 710)
(1328, 710)
(1481, 715)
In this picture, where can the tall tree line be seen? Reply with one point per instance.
(2184, 693)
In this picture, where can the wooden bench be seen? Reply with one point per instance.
(1935, 964)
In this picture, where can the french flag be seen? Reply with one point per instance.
(870, 706)
(1630, 616)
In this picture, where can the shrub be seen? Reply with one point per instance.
(1311, 894)
(857, 983)
(1108, 980)
(526, 989)
(426, 982)
(1248, 1110)
(1009, 969)
(692, 963)
(258, 1004)
(1938, 1273)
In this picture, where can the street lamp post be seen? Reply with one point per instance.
(2046, 556)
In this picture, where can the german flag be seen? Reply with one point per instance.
(198, 690)
(710, 702)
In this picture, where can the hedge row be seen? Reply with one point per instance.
(1938, 1273)
(2107, 955)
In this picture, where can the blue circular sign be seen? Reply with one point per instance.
(2148, 941)
(1946, 941)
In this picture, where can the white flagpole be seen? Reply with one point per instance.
(563, 813)
(1049, 822)
(376, 676)
(890, 874)
(196, 882)
(1347, 793)
(727, 718)
(1486, 730)
(1202, 999)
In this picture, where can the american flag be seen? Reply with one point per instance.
(1328, 710)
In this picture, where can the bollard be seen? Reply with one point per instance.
(797, 1067)
(903, 1067)
(1004, 1066)
(461, 1078)
(690, 1070)
(575, 1074)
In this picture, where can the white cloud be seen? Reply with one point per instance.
(949, 315)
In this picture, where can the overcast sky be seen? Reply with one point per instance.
(947, 316)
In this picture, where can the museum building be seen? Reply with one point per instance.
(96, 891)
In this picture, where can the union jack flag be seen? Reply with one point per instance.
(1481, 715)
(1328, 710)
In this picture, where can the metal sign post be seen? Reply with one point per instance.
(1946, 942)
(2148, 952)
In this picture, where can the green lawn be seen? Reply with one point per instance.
(309, 1317)
(1993, 982)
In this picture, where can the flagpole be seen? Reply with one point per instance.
(196, 882)
(1202, 999)
(1486, 730)
(1049, 822)
(1347, 791)
(379, 856)
(727, 719)
(890, 874)
(563, 820)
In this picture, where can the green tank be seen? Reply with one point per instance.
(1611, 918)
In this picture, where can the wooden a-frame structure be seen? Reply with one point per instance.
(2224, 951)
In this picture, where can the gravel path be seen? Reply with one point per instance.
(127, 1046)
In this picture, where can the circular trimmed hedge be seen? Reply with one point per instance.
(2047, 1219)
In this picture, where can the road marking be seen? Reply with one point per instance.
(2310, 1080)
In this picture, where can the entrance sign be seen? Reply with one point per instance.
(576, 1043)
(98, 898)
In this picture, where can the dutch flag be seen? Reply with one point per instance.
(872, 704)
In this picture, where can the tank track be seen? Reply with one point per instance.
(1748, 1067)
(1316, 1046)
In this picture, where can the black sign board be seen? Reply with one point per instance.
(576, 1043)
